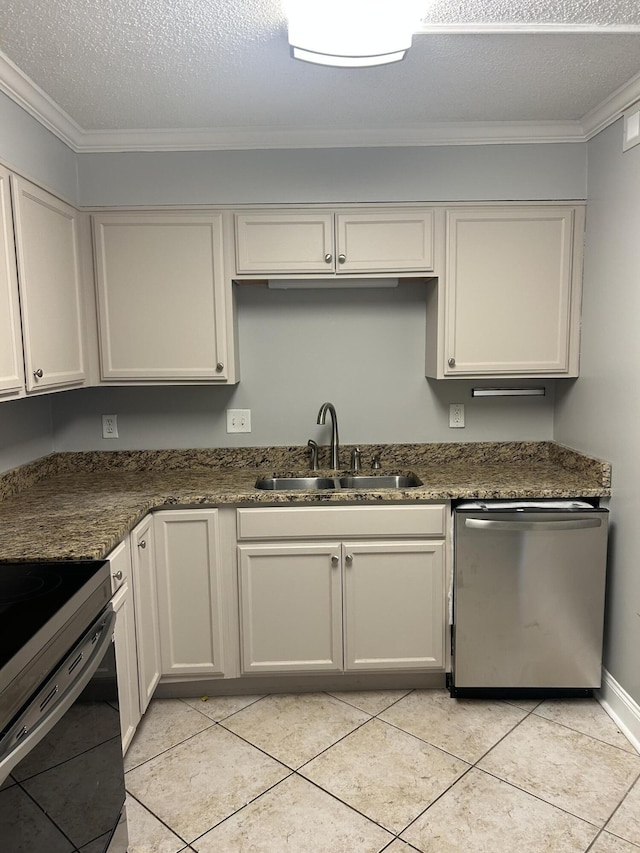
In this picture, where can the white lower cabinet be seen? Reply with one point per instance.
(393, 605)
(290, 607)
(146, 609)
(125, 642)
(354, 605)
(190, 599)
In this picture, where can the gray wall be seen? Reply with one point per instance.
(25, 431)
(454, 173)
(27, 147)
(361, 349)
(600, 413)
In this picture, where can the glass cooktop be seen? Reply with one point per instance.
(31, 594)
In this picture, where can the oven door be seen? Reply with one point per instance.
(61, 759)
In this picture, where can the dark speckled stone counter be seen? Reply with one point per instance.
(80, 505)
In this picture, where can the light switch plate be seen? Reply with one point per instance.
(238, 420)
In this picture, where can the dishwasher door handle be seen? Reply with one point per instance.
(494, 524)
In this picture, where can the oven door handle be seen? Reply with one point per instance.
(57, 695)
(494, 524)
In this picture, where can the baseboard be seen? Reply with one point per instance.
(621, 707)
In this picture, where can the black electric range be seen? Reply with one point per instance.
(44, 607)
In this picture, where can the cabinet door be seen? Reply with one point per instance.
(273, 243)
(290, 607)
(161, 294)
(394, 605)
(145, 598)
(512, 282)
(125, 642)
(188, 568)
(46, 231)
(11, 366)
(393, 241)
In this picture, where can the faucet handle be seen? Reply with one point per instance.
(375, 462)
(355, 459)
(313, 452)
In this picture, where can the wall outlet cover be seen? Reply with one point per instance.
(110, 426)
(456, 415)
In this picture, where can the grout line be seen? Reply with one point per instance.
(631, 751)
(244, 806)
(159, 819)
(169, 748)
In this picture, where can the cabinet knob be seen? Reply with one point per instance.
(342, 258)
(335, 560)
(38, 374)
(142, 544)
(220, 366)
(452, 362)
(328, 258)
(349, 559)
(118, 575)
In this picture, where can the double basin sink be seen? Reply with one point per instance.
(342, 481)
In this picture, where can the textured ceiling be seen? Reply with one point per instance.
(224, 65)
(613, 13)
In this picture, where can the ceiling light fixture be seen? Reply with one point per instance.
(351, 33)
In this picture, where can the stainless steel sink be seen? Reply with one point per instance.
(350, 481)
(284, 483)
(379, 481)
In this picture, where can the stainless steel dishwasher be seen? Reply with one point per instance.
(528, 598)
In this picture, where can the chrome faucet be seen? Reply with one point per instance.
(335, 444)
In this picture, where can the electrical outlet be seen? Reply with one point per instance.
(238, 420)
(109, 426)
(456, 415)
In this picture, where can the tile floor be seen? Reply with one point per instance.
(397, 771)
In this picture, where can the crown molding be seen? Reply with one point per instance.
(611, 108)
(448, 133)
(35, 101)
(28, 95)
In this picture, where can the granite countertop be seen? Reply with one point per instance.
(73, 506)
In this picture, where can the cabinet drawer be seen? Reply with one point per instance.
(343, 521)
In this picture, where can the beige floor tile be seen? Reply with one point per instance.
(527, 704)
(147, 834)
(399, 846)
(466, 728)
(371, 701)
(295, 817)
(295, 728)
(388, 775)
(607, 843)
(626, 821)
(166, 723)
(200, 782)
(586, 716)
(219, 707)
(566, 768)
(481, 814)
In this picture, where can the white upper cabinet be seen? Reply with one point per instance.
(327, 243)
(164, 308)
(509, 304)
(11, 364)
(48, 252)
